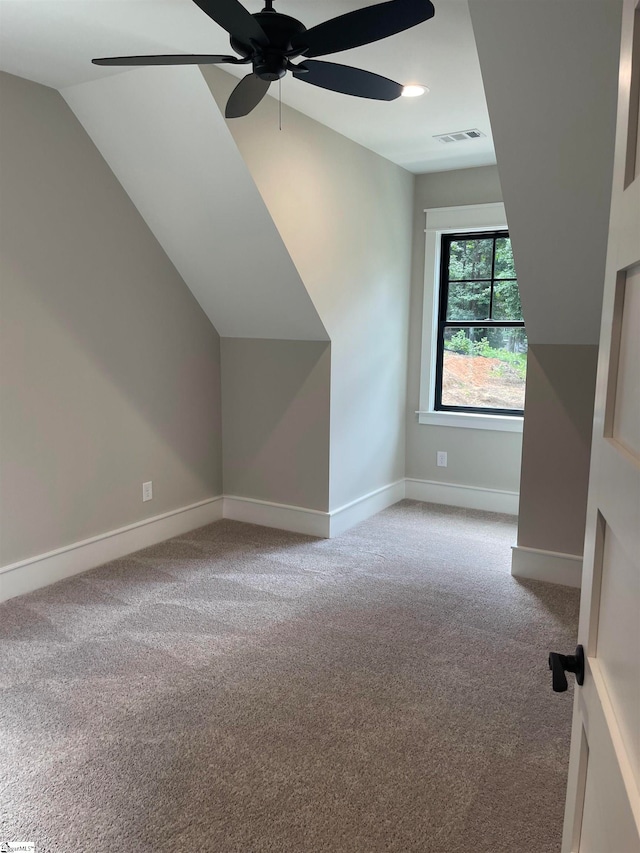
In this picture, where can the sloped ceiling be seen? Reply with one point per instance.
(550, 73)
(163, 136)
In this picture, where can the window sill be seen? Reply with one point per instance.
(502, 423)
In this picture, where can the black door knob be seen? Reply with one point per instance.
(559, 664)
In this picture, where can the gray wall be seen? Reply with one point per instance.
(110, 371)
(275, 405)
(475, 457)
(550, 74)
(345, 215)
(557, 437)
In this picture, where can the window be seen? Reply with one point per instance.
(479, 307)
(481, 341)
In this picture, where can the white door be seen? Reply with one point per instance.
(603, 797)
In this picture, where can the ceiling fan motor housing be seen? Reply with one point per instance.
(270, 61)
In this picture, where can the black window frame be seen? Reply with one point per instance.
(443, 323)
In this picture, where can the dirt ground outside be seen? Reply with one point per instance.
(473, 380)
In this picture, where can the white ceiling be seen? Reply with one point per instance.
(53, 42)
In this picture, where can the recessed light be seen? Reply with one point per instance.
(413, 90)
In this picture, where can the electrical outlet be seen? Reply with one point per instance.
(441, 458)
(147, 491)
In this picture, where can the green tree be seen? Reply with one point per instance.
(471, 300)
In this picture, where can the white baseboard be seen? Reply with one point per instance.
(45, 569)
(353, 513)
(313, 522)
(549, 566)
(296, 519)
(471, 497)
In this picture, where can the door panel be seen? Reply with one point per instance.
(626, 416)
(619, 640)
(632, 165)
(608, 818)
(608, 825)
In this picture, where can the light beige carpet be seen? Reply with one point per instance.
(243, 690)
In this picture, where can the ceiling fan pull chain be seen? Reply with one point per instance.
(280, 103)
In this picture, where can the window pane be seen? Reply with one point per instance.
(484, 368)
(506, 301)
(505, 267)
(469, 301)
(470, 259)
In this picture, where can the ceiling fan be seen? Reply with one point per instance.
(270, 41)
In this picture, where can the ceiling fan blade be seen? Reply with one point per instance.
(235, 19)
(348, 80)
(168, 59)
(363, 26)
(247, 95)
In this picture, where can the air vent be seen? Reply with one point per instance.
(459, 136)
